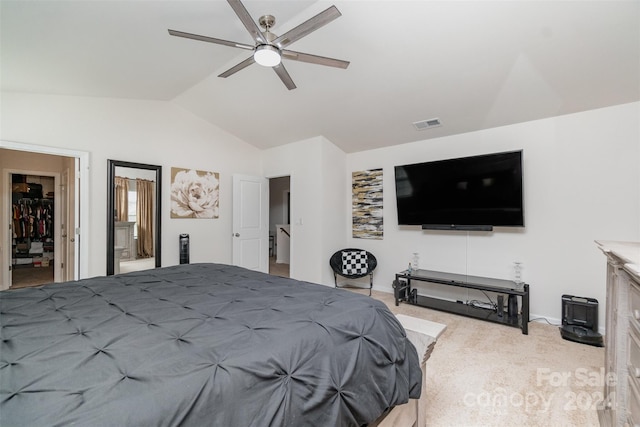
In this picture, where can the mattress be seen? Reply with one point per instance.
(196, 345)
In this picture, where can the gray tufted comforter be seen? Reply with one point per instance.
(199, 345)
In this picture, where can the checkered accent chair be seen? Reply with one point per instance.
(353, 263)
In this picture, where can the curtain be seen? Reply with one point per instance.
(144, 217)
(122, 199)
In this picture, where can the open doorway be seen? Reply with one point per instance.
(279, 226)
(33, 229)
(71, 201)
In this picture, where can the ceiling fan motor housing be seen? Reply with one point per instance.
(267, 21)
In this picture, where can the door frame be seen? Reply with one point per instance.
(65, 215)
(81, 206)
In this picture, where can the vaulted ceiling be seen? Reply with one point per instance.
(471, 64)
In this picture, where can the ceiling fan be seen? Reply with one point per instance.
(269, 49)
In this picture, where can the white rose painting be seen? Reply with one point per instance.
(194, 193)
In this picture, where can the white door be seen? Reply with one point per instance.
(250, 222)
(63, 257)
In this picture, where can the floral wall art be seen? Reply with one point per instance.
(194, 193)
(367, 204)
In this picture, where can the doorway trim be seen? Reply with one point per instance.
(81, 206)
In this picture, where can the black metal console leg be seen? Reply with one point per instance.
(525, 310)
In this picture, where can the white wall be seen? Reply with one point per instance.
(150, 132)
(334, 189)
(317, 203)
(581, 183)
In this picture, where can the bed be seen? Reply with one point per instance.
(200, 344)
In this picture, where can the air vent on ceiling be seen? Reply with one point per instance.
(427, 124)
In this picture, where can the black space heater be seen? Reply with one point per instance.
(580, 320)
(184, 249)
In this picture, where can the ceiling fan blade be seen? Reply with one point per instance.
(210, 39)
(320, 20)
(284, 76)
(314, 59)
(248, 21)
(244, 64)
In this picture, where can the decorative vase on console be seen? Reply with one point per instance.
(415, 262)
(517, 275)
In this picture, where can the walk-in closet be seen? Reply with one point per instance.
(32, 228)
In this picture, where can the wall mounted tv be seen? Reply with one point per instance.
(468, 193)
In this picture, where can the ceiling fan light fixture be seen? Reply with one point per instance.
(267, 55)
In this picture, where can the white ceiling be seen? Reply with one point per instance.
(472, 64)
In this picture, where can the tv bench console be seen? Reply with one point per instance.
(404, 292)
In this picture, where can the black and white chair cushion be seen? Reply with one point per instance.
(354, 263)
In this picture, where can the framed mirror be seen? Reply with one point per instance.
(133, 216)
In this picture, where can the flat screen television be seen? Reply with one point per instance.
(472, 193)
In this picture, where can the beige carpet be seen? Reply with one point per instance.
(486, 374)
